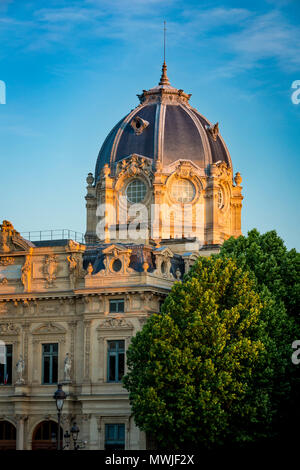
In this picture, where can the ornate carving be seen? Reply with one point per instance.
(145, 266)
(73, 269)
(238, 179)
(10, 239)
(134, 165)
(6, 234)
(116, 322)
(3, 281)
(90, 180)
(184, 170)
(90, 269)
(163, 262)
(6, 261)
(113, 253)
(49, 328)
(73, 246)
(213, 131)
(50, 269)
(221, 170)
(8, 329)
(26, 274)
(138, 125)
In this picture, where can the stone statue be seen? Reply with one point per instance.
(6, 233)
(26, 274)
(67, 368)
(20, 370)
(73, 263)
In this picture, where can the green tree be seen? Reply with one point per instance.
(276, 271)
(273, 265)
(200, 372)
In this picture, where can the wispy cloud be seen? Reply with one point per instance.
(239, 37)
(266, 37)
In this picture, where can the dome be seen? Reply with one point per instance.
(164, 127)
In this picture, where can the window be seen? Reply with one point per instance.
(117, 265)
(115, 360)
(116, 306)
(50, 363)
(114, 436)
(183, 190)
(136, 191)
(5, 364)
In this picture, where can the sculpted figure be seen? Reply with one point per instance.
(26, 274)
(67, 367)
(20, 370)
(6, 232)
(72, 270)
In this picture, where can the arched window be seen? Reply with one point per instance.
(7, 436)
(183, 190)
(136, 191)
(45, 436)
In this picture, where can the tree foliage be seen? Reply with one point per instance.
(276, 271)
(200, 372)
(273, 265)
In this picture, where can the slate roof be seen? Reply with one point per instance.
(175, 131)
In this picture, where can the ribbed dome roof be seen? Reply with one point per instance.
(164, 127)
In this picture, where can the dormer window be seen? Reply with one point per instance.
(138, 125)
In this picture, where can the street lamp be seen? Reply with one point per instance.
(74, 432)
(67, 437)
(59, 397)
(77, 444)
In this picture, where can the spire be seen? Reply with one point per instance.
(164, 78)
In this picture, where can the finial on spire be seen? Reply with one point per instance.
(165, 29)
(164, 78)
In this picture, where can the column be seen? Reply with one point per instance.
(87, 350)
(20, 431)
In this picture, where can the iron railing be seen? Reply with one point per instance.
(60, 234)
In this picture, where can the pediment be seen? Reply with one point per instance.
(190, 256)
(116, 250)
(164, 251)
(115, 323)
(49, 328)
(11, 240)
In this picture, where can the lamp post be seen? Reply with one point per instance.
(59, 397)
(74, 431)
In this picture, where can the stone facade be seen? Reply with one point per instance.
(69, 310)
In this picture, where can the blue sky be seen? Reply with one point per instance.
(73, 68)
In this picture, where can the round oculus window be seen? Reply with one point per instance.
(183, 190)
(117, 265)
(136, 191)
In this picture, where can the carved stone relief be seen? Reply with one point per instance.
(50, 269)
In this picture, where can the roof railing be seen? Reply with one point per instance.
(59, 234)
